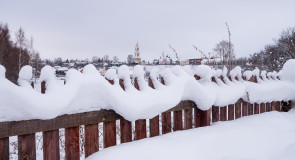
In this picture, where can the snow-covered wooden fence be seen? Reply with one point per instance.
(185, 115)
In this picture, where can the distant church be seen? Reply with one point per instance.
(137, 58)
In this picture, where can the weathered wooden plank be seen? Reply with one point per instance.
(188, 118)
(198, 120)
(275, 106)
(238, 108)
(256, 108)
(166, 122)
(109, 134)
(26, 147)
(140, 129)
(205, 117)
(215, 114)
(245, 109)
(262, 108)
(223, 113)
(154, 126)
(231, 112)
(177, 118)
(126, 131)
(65, 121)
(250, 109)
(4, 148)
(72, 143)
(51, 145)
(91, 139)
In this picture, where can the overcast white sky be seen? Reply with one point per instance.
(82, 29)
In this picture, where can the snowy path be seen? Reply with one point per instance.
(266, 136)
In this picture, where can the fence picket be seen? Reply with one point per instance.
(27, 147)
(245, 109)
(223, 113)
(238, 108)
(51, 145)
(262, 108)
(231, 112)
(4, 148)
(215, 114)
(109, 134)
(256, 108)
(91, 139)
(177, 118)
(188, 118)
(72, 143)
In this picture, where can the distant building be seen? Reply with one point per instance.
(195, 61)
(165, 60)
(137, 58)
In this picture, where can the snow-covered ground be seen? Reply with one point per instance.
(268, 136)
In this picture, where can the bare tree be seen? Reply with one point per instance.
(176, 54)
(222, 49)
(21, 44)
(115, 59)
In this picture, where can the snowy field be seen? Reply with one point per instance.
(267, 136)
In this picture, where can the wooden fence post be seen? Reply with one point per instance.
(238, 108)
(250, 109)
(140, 125)
(166, 118)
(256, 108)
(51, 145)
(223, 113)
(177, 118)
(231, 112)
(215, 114)
(27, 147)
(245, 109)
(109, 134)
(4, 148)
(72, 143)
(91, 139)
(188, 118)
(262, 107)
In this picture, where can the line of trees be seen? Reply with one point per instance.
(273, 57)
(15, 54)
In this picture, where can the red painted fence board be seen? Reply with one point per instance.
(26, 147)
(109, 134)
(72, 143)
(231, 112)
(262, 108)
(177, 118)
(140, 129)
(188, 118)
(268, 107)
(215, 114)
(238, 108)
(256, 108)
(250, 109)
(51, 145)
(4, 148)
(154, 126)
(245, 109)
(223, 113)
(91, 139)
(166, 122)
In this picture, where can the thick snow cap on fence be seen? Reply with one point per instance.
(25, 76)
(89, 91)
(274, 89)
(2, 71)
